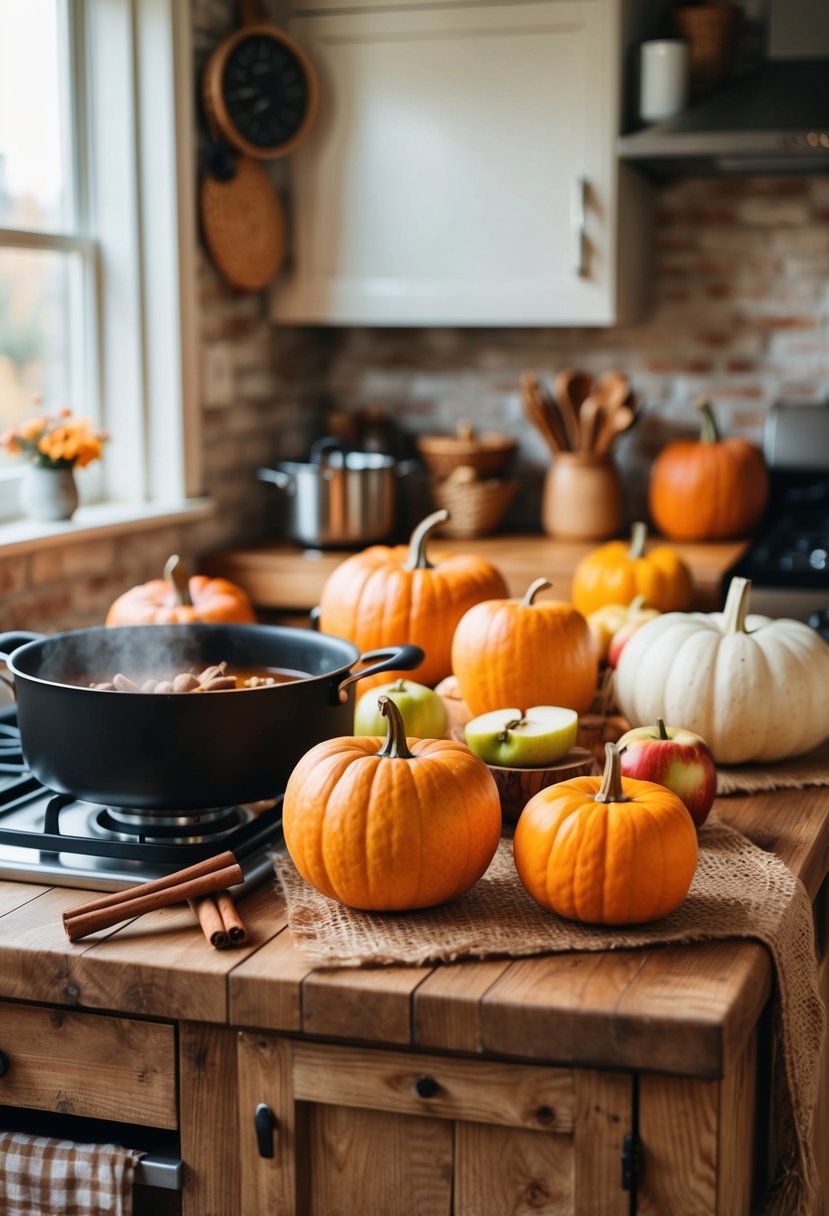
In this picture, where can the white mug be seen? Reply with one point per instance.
(663, 81)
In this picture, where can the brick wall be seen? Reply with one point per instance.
(741, 297)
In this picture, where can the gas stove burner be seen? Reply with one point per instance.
(180, 828)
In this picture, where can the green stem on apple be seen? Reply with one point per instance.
(533, 590)
(503, 735)
(400, 686)
(661, 732)
(638, 536)
(611, 789)
(417, 559)
(394, 747)
(736, 606)
(709, 432)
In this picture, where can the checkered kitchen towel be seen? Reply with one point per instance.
(44, 1177)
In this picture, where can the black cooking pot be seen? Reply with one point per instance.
(153, 751)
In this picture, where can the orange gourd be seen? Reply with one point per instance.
(177, 598)
(616, 573)
(606, 850)
(708, 489)
(518, 652)
(391, 825)
(387, 596)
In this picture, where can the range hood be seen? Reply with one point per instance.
(773, 119)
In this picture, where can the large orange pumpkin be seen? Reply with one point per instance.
(175, 598)
(391, 825)
(708, 489)
(606, 850)
(519, 652)
(386, 596)
(616, 573)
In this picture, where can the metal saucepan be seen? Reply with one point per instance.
(150, 751)
(341, 498)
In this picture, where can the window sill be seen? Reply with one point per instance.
(103, 519)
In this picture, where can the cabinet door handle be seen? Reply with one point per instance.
(266, 1124)
(578, 223)
(4, 1064)
(426, 1087)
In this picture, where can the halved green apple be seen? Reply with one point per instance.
(523, 738)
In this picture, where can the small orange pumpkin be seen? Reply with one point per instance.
(606, 850)
(387, 596)
(391, 825)
(176, 599)
(518, 652)
(616, 573)
(708, 489)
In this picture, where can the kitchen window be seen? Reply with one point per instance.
(97, 238)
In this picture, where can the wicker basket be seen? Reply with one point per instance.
(486, 454)
(475, 507)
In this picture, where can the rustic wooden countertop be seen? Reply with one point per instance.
(281, 576)
(674, 1009)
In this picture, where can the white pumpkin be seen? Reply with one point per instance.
(754, 688)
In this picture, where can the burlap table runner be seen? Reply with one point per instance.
(810, 769)
(739, 891)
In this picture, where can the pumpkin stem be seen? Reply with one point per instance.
(611, 789)
(533, 590)
(638, 536)
(736, 606)
(417, 542)
(636, 604)
(709, 432)
(175, 572)
(394, 747)
(661, 732)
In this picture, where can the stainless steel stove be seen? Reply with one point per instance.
(59, 840)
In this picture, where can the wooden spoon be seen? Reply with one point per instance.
(570, 390)
(591, 419)
(612, 426)
(536, 414)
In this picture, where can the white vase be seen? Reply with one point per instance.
(48, 494)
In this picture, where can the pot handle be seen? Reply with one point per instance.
(276, 476)
(398, 658)
(9, 642)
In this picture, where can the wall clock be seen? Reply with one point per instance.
(259, 90)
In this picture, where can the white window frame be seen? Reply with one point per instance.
(134, 227)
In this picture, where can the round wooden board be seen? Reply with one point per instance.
(244, 225)
(516, 786)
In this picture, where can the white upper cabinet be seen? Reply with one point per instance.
(462, 170)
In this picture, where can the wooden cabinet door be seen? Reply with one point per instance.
(358, 1132)
(462, 169)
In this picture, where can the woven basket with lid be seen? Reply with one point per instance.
(487, 453)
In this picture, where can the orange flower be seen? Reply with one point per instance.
(57, 441)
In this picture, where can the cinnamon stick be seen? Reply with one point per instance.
(103, 914)
(208, 866)
(233, 924)
(209, 917)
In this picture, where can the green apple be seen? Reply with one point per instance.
(528, 738)
(423, 711)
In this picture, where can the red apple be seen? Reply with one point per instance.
(623, 635)
(675, 758)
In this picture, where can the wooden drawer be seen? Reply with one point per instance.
(88, 1064)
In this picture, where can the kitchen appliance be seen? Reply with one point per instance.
(774, 118)
(788, 561)
(151, 752)
(340, 498)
